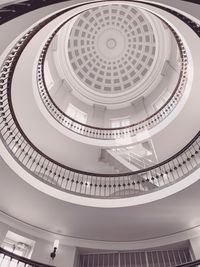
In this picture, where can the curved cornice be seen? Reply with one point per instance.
(38, 232)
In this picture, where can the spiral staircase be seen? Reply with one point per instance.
(99, 127)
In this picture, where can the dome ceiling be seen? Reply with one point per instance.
(113, 54)
(111, 48)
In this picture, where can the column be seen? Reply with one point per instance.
(98, 116)
(63, 95)
(140, 112)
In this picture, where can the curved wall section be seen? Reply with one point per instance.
(41, 235)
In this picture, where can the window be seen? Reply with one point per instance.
(120, 122)
(76, 114)
(18, 245)
(18, 248)
(48, 77)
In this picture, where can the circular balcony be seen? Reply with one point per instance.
(69, 180)
(103, 133)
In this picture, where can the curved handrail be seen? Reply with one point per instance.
(70, 180)
(12, 256)
(193, 1)
(15, 9)
(110, 133)
(195, 263)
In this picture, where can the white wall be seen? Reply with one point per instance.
(3, 231)
(64, 256)
(195, 247)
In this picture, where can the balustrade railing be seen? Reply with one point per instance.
(179, 257)
(68, 179)
(12, 260)
(111, 133)
(9, 259)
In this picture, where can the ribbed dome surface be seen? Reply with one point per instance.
(111, 48)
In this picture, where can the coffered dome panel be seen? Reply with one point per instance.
(111, 48)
